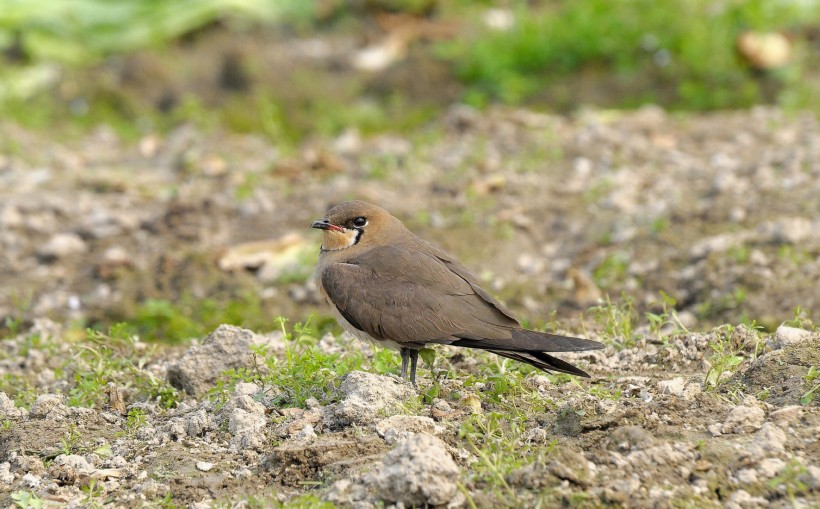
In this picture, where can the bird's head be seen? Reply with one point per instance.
(356, 223)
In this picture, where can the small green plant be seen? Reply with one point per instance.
(385, 361)
(810, 378)
(306, 371)
(612, 271)
(801, 319)
(724, 357)
(71, 442)
(27, 500)
(617, 321)
(668, 316)
(93, 494)
(18, 387)
(135, 420)
(13, 323)
(114, 358)
(612, 392)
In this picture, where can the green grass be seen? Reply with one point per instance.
(88, 366)
(79, 31)
(305, 372)
(730, 348)
(811, 375)
(189, 317)
(686, 47)
(27, 500)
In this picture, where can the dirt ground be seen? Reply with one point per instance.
(719, 211)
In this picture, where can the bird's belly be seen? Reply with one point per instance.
(384, 343)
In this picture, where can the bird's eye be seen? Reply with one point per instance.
(360, 221)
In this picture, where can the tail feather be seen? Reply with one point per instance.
(523, 340)
(530, 347)
(543, 362)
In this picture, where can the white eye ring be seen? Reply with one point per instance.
(359, 222)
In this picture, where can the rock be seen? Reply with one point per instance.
(297, 420)
(8, 410)
(70, 468)
(741, 499)
(246, 403)
(6, 476)
(419, 472)
(770, 467)
(674, 386)
(246, 388)
(811, 477)
(746, 476)
(306, 434)
(620, 491)
(204, 466)
(267, 259)
(32, 481)
(49, 406)
(569, 465)
(225, 348)
(246, 429)
(440, 409)
(29, 464)
(198, 423)
(367, 397)
(770, 438)
(785, 335)
(743, 419)
(398, 427)
(62, 245)
(787, 415)
(792, 230)
(348, 493)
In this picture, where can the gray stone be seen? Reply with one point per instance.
(419, 471)
(198, 423)
(770, 467)
(770, 438)
(247, 429)
(811, 477)
(785, 335)
(62, 245)
(6, 476)
(743, 419)
(741, 499)
(49, 406)
(7, 408)
(225, 348)
(367, 397)
(397, 427)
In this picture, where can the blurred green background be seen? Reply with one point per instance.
(294, 69)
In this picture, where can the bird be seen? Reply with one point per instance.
(387, 286)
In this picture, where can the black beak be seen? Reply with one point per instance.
(323, 224)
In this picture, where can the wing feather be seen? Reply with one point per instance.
(407, 296)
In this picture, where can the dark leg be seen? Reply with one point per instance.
(405, 353)
(414, 358)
